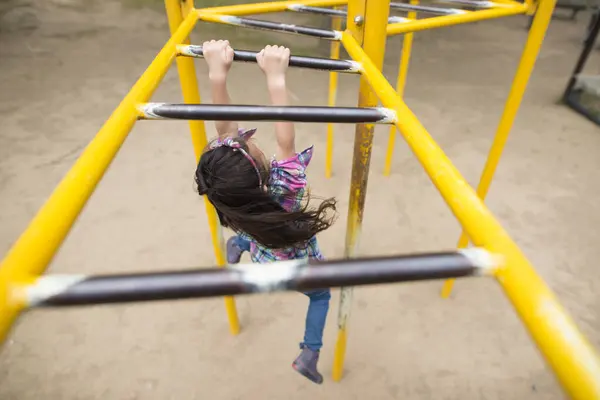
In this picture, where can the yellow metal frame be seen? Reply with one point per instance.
(400, 85)
(336, 25)
(524, 70)
(371, 35)
(176, 11)
(570, 356)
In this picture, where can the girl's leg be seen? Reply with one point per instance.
(306, 363)
(315, 318)
(236, 245)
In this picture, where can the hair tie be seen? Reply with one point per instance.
(236, 146)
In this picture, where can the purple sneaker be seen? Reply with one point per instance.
(234, 253)
(306, 364)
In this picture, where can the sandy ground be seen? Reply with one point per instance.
(60, 79)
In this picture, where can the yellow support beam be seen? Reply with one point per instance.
(176, 11)
(455, 19)
(568, 353)
(400, 85)
(513, 102)
(336, 25)
(187, 74)
(33, 251)
(366, 24)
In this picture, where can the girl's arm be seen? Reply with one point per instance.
(273, 60)
(219, 57)
(218, 88)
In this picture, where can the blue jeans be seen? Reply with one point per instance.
(318, 306)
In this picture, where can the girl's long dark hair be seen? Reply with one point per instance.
(231, 184)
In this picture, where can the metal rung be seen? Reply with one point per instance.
(476, 4)
(271, 26)
(294, 275)
(336, 13)
(219, 112)
(426, 9)
(325, 64)
(317, 10)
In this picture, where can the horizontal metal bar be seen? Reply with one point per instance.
(469, 3)
(455, 19)
(426, 9)
(335, 13)
(218, 112)
(481, 5)
(268, 7)
(324, 64)
(299, 275)
(317, 10)
(271, 26)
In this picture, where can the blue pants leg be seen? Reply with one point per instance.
(242, 243)
(316, 316)
(236, 246)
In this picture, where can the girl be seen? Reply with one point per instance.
(266, 204)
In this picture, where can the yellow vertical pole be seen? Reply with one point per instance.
(336, 25)
(176, 11)
(530, 52)
(400, 84)
(367, 21)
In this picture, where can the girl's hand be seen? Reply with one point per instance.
(274, 60)
(219, 57)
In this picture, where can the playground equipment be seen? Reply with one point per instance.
(583, 91)
(22, 284)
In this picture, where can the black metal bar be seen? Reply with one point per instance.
(298, 275)
(324, 64)
(334, 13)
(272, 26)
(317, 10)
(472, 4)
(425, 9)
(592, 34)
(218, 112)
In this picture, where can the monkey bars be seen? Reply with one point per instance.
(567, 352)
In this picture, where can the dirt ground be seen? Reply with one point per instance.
(63, 69)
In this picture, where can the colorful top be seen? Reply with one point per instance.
(287, 186)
